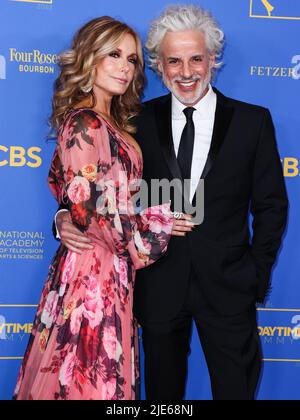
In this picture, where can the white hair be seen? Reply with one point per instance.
(184, 18)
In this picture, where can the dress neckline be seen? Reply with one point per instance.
(116, 131)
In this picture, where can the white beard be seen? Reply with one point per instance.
(202, 86)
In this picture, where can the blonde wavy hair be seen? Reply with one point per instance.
(74, 85)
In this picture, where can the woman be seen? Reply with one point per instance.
(84, 343)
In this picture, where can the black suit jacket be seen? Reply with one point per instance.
(243, 174)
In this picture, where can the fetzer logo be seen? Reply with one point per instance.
(275, 9)
(2, 68)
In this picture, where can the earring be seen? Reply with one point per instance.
(86, 89)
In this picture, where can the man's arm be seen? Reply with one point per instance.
(70, 236)
(269, 205)
(63, 208)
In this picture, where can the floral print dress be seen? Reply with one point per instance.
(84, 342)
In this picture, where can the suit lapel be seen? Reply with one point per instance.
(223, 117)
(163, 114)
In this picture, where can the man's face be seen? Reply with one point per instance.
(185, 65)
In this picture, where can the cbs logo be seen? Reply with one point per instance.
(17, 156)
(290, 167)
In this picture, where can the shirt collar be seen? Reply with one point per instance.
(204, 107)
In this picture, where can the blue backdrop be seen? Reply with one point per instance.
(262, 66)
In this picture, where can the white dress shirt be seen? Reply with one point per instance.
(204, 119)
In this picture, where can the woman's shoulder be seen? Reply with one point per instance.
(83, 118)
(80, 124)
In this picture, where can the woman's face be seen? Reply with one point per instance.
(115, 72)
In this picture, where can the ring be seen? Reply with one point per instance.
(178, 215)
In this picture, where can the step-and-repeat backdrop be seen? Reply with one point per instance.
(262, 66)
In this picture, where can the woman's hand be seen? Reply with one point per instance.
(70, 236)
(183, 225)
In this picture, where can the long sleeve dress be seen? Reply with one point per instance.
(84, 342)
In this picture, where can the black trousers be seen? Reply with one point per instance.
(231, 346)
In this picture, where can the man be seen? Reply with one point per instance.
(215, 274)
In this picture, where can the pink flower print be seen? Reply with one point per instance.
(93, 304)
(110, 342)
(67, 272)
(123, 273)
(109, 390)
(79, 190)
(123, 202)
(76, 320)
(49, 313)
(144, 247)
(158, 218)
(19, 381)
(90, 172)
(117, 264)
(67, 370)
(110, 195)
